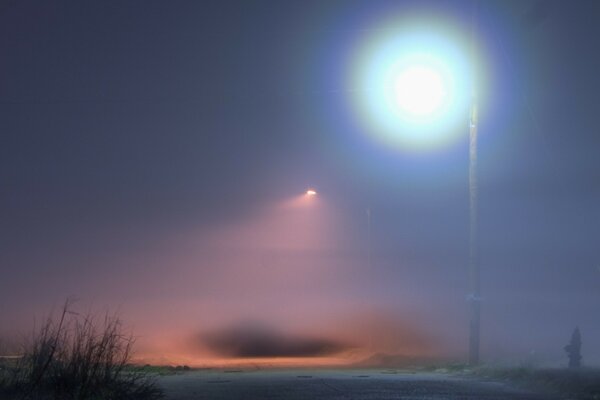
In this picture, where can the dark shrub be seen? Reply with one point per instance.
(76, 357)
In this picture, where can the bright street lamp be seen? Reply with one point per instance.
(415, 90)
(420, 90)
(411, 85)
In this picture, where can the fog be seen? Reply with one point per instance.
(155, 161)
(291, 283)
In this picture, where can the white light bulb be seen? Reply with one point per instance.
(419, 90)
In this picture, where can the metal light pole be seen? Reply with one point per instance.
(474, 279)
(474, 276)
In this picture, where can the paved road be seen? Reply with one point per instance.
(334, 384)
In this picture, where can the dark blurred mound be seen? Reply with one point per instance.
(255, 340)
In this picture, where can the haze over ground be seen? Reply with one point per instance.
(154, 155)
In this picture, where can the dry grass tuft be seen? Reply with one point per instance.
(76, 357)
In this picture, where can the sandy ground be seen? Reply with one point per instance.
(334, 384)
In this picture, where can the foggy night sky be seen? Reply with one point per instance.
(149, 151)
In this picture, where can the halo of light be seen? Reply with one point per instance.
(412, 86)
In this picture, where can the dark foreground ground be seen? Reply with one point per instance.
(335, 384)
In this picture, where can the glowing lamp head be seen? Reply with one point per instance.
(411, 77)
(419, 90)
(311, 192)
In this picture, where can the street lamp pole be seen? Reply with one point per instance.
(474, 278)
(474, 275)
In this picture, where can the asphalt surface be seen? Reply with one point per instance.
(335, 384)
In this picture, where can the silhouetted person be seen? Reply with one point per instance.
(573, 349)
